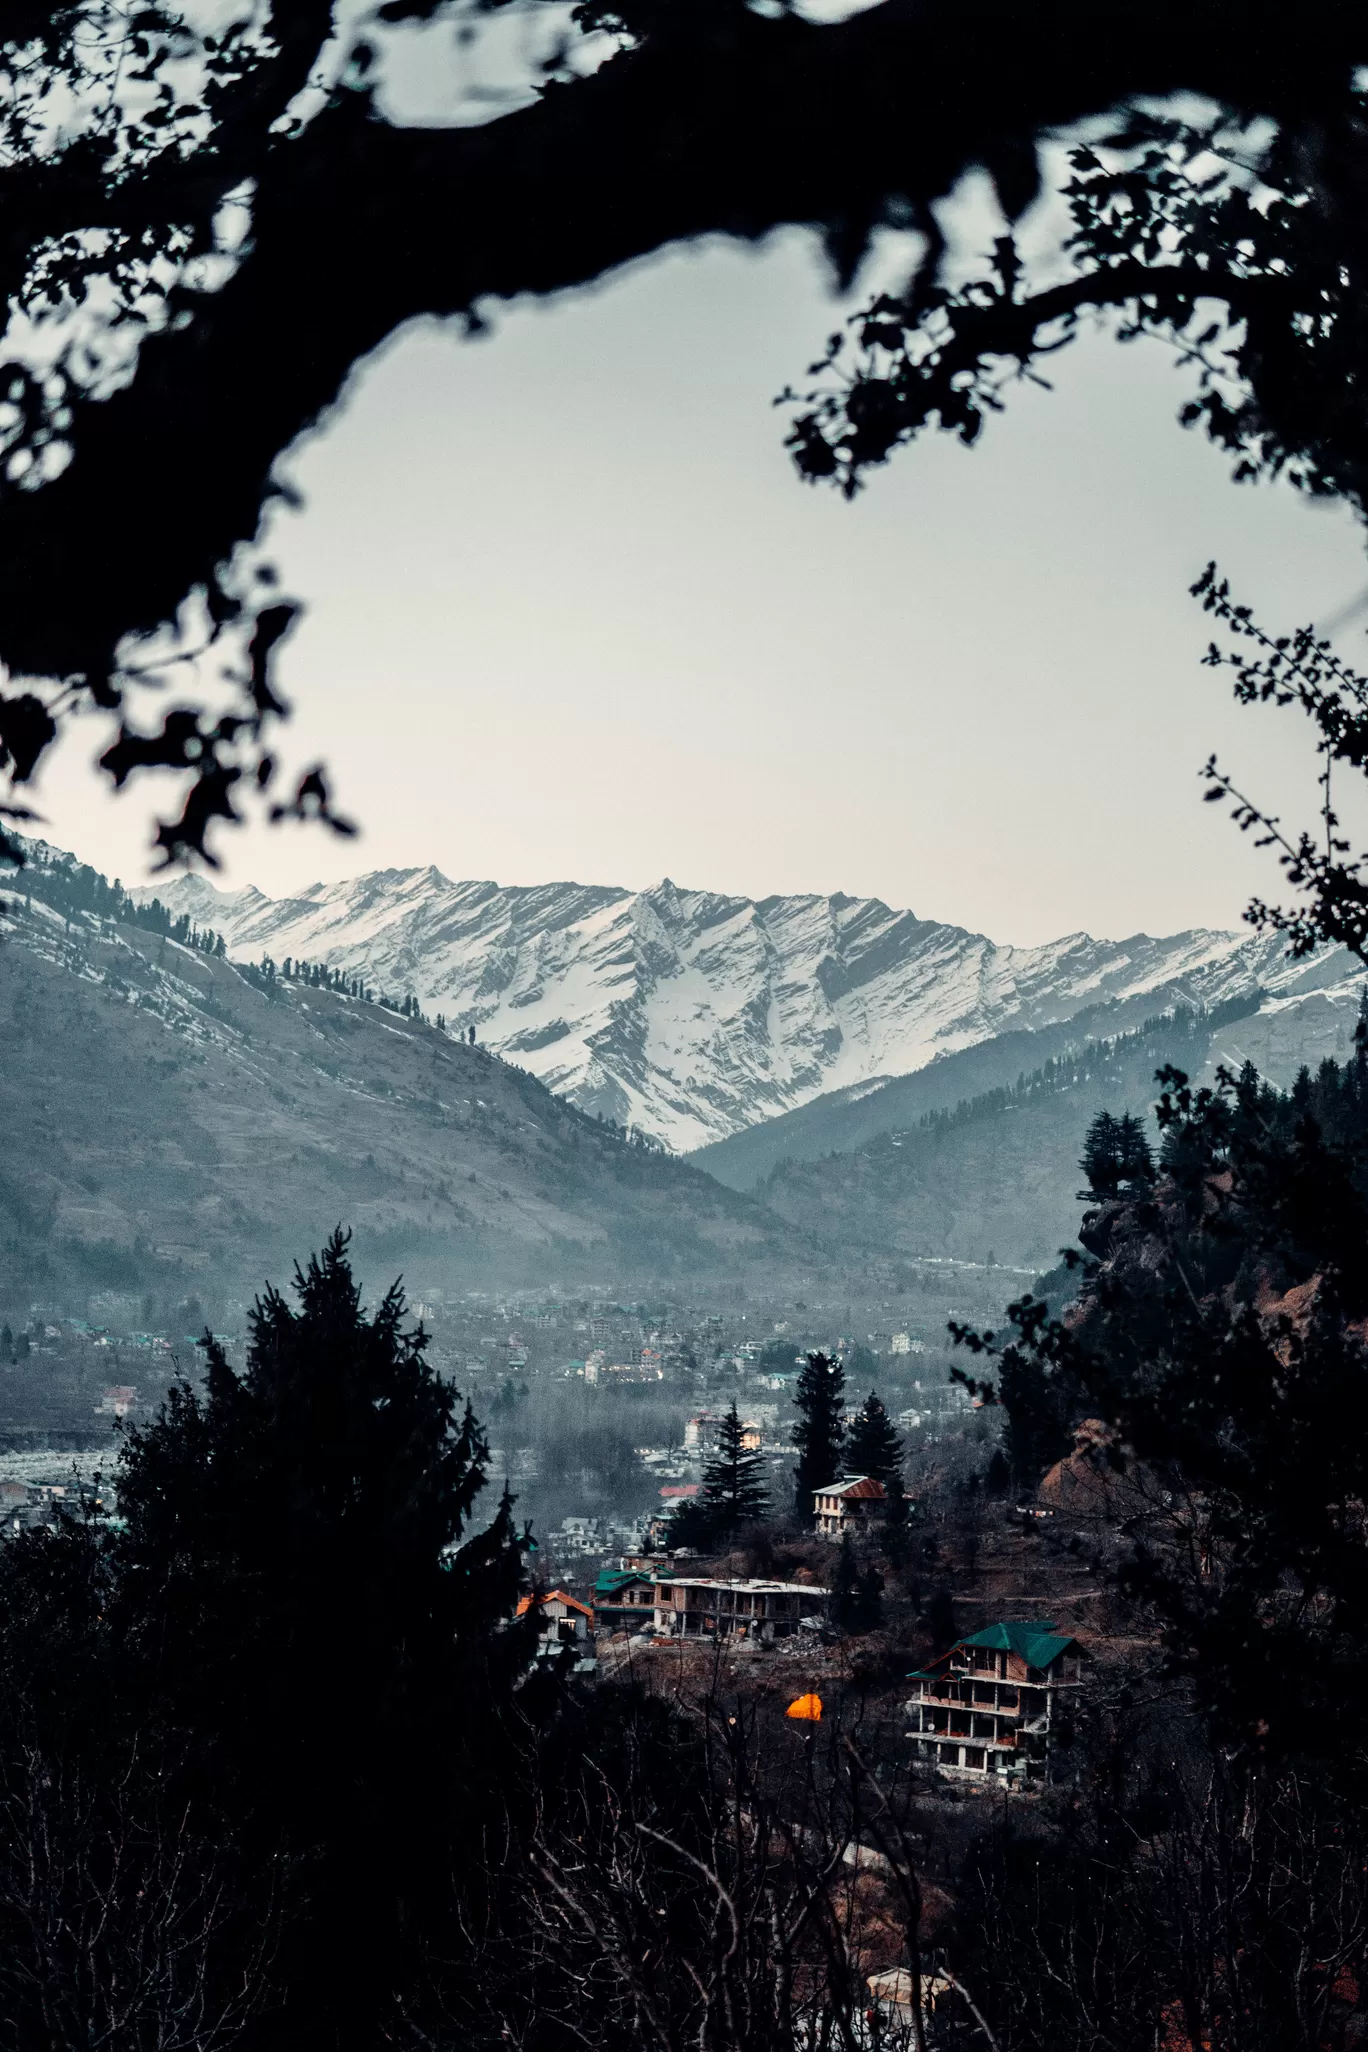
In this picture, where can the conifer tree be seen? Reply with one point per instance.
(874, 1448)
(734, 1491)
(320, 1493)
(1134, 1161)
(321, 1641)
(820, 1398)
(1100, 1158)
(1116, 1157)
(872, 1444)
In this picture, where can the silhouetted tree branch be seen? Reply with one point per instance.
(128, 486)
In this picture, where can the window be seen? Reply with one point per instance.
(973, 1757)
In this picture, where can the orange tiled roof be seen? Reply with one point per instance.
(557, 1595)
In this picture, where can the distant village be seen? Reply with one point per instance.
(603, 1415)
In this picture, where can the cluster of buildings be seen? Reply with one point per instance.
(638, 1598)
(985, 1711)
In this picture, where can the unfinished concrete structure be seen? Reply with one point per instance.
(693, 1608)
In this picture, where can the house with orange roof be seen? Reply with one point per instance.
(562, 1620)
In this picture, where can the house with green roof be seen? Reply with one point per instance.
(987, 1708)
(624, 1600)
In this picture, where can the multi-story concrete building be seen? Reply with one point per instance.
(692, 1608)
(988, 1706)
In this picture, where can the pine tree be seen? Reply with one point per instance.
(734, 1491)
(322, 1639)
(1134, 1161)
(872, 1444)
(1100, 1161)
(1116, 1157)
(820, 1398)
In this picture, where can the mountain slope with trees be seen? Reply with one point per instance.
(1297, 1012)
(170, 1115)
(997, 1176)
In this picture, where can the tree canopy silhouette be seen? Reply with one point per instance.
(206, 230)
(818, 1430)
(872, 1443)
(734, 1491)
(298, 1618)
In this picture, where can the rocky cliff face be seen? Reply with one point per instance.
(691, 1016)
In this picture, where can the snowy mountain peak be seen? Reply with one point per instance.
(692, 1015)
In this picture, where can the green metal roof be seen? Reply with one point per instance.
(1036, 1642)
(610, 1580)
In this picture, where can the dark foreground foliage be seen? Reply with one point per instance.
(210, 223)
(1220, 1334)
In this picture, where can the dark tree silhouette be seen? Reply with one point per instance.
(1116, 1156)
(873, 1447)
(734, 1492)
(306, 1610)
(1300, 669)
(1174, 220)
(818, 1433)
(872, 1444)
(1219, 1331)
(1101, 1147)
(227, 224)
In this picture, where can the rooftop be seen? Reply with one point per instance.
(751, 1587)
(1033, 1640)
(610, 1580)
(862, 1486)
(552, 1596)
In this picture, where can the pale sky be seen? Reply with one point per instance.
(571, 615)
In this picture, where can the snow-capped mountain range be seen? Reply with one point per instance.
(689, 1015)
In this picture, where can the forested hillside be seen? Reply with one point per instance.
(997, 1176)
(168, 1114)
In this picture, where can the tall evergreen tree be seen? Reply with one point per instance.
(818, 1433)
(1116, 1156)
(872, 1443)
(1135, 1162)
(874, 1448)
(319, 1638)
(734, 1491)
(1099, 1162)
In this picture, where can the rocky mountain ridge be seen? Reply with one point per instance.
(691, 1016)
